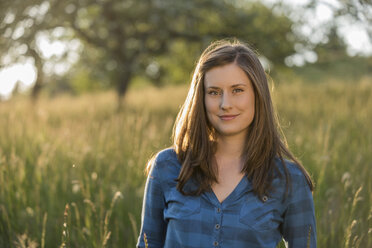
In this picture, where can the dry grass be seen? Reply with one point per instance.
(82, 153)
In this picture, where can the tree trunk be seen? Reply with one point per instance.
(124, 78)
(39, 83)
(36, 89)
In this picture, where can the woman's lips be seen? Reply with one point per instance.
(227, 117)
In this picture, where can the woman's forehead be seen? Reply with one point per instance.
(230, 75)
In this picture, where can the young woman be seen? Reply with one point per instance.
(229, 180)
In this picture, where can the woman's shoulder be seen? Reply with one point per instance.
(165, 163)
(166, 155)
(294, 170)
(298, 180)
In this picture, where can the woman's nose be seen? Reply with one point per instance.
(225, 101)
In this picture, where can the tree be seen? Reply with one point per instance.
(19, 26)
(135, 33)
(22, 24)
(137, 36)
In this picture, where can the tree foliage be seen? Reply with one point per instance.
(22, 25)
(136, 38)
(154, 39)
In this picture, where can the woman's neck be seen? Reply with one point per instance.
(229, 148)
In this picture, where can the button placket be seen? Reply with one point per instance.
(217, 226)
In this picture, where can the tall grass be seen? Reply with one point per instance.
(71, 169)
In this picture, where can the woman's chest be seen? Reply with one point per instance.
(241, 208)
(244, 218)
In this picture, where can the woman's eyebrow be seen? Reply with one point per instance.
(213, 87)
(237, 85)
(232, 86)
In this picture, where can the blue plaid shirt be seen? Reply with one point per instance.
(172, 220)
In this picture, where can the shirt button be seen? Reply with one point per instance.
(215, 243)
(264, 198)
(217, 226)
(218, 210)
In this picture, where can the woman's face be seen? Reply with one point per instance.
(229, 99)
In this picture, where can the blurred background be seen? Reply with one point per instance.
(82, 46)
(89, 90)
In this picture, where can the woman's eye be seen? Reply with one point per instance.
(213, 93)
(238, 90)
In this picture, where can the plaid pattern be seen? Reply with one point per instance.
(172, 220)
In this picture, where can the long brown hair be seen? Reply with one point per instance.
(194, 139)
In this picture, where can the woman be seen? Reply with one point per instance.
(226, 182)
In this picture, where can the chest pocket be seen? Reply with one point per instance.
(257, 214)
(181, 206)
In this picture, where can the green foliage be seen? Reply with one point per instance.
(347, 69)
(158, 41)
(155, 40)
(82, 82)
(63, 163)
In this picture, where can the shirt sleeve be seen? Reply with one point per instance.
(299, 227)
(153, 225)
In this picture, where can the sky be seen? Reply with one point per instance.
(354, 35)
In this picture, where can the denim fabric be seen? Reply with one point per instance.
(172, 220)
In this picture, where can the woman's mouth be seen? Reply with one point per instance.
(227, 117)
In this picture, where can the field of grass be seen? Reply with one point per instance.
(72, 168)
